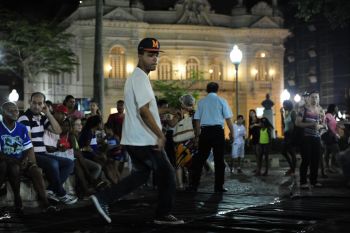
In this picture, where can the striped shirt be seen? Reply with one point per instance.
(308, 117)
(36, 124)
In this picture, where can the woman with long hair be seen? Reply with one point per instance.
(288, 151)
(253, 133)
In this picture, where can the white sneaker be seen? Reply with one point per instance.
(68, 199)
(51, 196)
(102, 208)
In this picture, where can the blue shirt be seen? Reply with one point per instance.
(14, 142)
(212, 110)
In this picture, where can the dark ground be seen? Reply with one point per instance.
(253, 204)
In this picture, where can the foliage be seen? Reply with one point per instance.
(172, 90)
(335, 11)
(31, 48)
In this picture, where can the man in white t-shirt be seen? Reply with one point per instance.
(144, 140)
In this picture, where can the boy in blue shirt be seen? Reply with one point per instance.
(17, 157)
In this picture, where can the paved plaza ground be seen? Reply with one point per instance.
(253, 204)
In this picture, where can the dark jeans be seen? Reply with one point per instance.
(145, 159)
(310, 156)
(288, 150)
(56, 169)
(211, 137)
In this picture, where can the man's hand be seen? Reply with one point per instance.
(231, 137)
(46, 110)
(161, 143)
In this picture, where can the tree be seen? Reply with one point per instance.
(172, 90)
(31, 48)
(335, 11)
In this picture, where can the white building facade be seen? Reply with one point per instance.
(194, 39)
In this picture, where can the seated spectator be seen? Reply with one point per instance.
(69, 102)
(94, 109)
(87, 171)
(38, 118)
(92, 150)
(17, 158)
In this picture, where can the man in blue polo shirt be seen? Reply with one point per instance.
(209, 118)
(17, 157)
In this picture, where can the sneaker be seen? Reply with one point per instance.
(68, 199)
(304, 186)
(317, 185)
(168, 220)
(51, 209)
(51, 196)
(102, 208)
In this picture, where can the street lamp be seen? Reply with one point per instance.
(285, 95)
(236, 58)
(13, 96)
(297, 98)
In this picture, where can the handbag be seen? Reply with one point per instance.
(183, 130)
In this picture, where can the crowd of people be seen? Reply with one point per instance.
(49, 142)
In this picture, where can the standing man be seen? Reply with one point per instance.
(144, 141)
(37, 119)
(115, 120)
(17, 158)
(209, 118)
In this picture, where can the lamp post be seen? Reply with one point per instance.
(236, 58)
(13, 96)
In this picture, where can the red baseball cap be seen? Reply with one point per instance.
(61, 108)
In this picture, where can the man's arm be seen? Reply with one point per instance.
(230, 126)
(149, 120)
(54, 126)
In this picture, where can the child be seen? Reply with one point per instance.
(114, 149)
(238, 144)
(264, 145)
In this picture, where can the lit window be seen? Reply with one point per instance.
(164, 69)
(192, 68)
(117, 66)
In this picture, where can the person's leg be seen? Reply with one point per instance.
(285, 150)
(3, 172)
(51, 169)
(259, 150)
(266, 152)
(200, 159)
(35, 173)
(305, 160)
(165, 177)
(142, 163)
(81, 182)
(13, 171)
(66, 167)
(314, 160)
(218, 142)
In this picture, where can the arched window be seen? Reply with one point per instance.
(262, 66)
(117, 68)
(164, 69)
(215, 71)
(192, 68)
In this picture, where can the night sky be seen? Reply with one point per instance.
(59, 9)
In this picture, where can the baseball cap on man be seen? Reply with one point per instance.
(149, 44)
(61, 108)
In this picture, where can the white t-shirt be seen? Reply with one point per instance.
(239, 133)
(137, 93)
